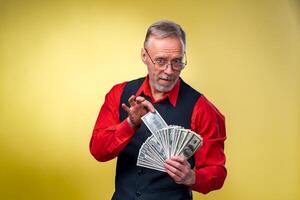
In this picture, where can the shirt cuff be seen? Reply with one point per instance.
(202, 182)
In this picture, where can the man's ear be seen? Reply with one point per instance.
(143, 55)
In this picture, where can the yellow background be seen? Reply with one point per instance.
(58, 59)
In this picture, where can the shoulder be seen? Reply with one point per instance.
(207, 120)
(206, 112)
(135, 82)
(204, 106)
(114, 94)
(118, 87)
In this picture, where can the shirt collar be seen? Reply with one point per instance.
(171, 95)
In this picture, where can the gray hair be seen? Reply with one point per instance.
(163, 29)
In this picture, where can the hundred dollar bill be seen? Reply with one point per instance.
(149, 158)
(185, 135)
(191, 145)
(154, 121)
(152, 141)
(150, 166)
(147, 155)
(165, 143)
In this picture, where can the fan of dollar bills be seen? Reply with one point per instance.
(165, 142)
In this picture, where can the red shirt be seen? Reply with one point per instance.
(110, 135)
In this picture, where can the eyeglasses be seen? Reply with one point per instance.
(176, 64)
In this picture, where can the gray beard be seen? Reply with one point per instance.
(161, 88)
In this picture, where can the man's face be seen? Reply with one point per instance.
(170, 48)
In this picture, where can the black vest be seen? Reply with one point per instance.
(134, 182)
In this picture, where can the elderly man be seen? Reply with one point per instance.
(119, 131)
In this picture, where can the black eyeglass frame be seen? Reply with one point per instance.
(167, 63)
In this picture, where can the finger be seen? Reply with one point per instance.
(178, 159)
(175, 177)
(182, 160)
(175, 164)
(176, 174)
(139, 99)
(173, 169)
(131, 100)
(186, 163)
(148, 105)
(125, 107)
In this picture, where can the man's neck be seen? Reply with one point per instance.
(157, 94)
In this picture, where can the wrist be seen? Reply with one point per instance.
(192, 178)
(132, 124)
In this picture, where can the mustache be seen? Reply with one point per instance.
(166, 77)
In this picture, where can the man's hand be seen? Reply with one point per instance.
(139, 106)
(180, 170)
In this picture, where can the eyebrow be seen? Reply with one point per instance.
(162, 57)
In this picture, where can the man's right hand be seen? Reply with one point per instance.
(139, 106)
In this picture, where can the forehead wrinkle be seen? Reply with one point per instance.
(169, 44)
(168, 50)
(169, 53)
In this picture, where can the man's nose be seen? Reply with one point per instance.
(169, 68)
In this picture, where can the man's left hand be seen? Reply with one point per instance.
(180, 170)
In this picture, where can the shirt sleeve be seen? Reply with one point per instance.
(209, 168)
(110, 135)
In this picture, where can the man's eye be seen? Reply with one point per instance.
(177, 61)
(160, 61)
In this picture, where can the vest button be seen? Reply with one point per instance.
(138, 193)
(140, 172)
